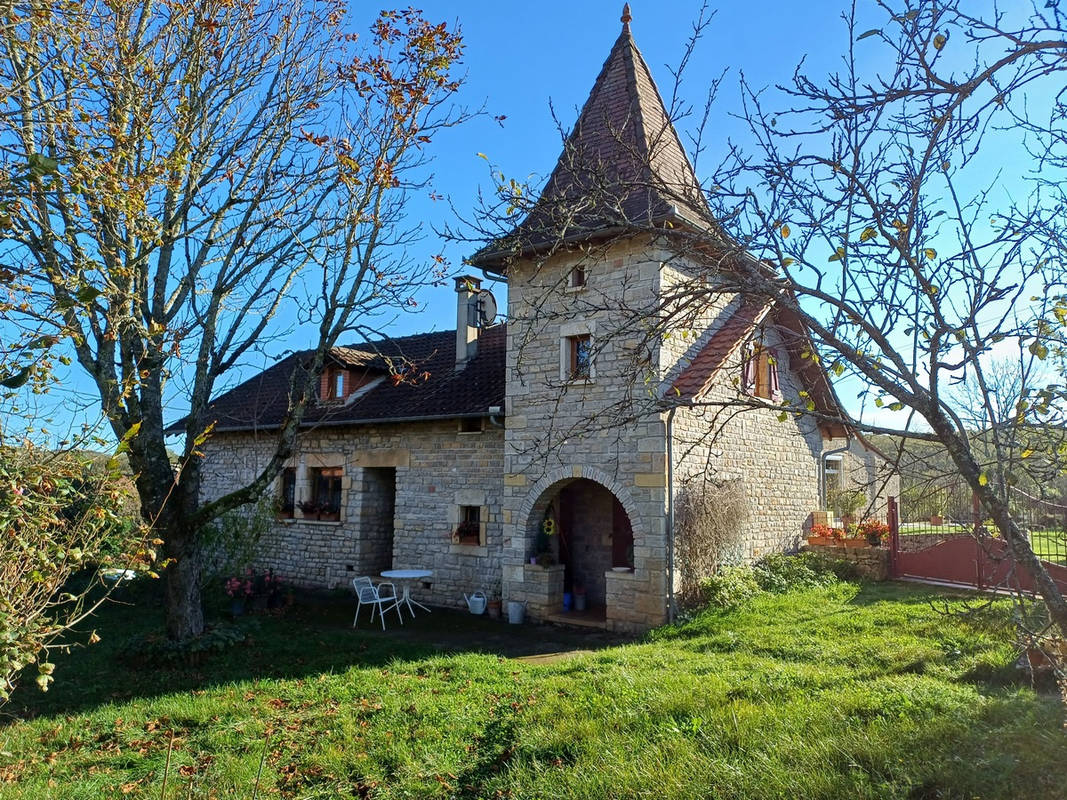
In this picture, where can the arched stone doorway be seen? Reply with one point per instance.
(595, 529)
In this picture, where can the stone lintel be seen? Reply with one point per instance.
(383, 458)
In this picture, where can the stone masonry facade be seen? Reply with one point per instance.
(433, 470)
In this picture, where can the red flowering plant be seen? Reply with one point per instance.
(826, 532)
(875, 531)
(238, 587)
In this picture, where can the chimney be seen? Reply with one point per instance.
(467, 288)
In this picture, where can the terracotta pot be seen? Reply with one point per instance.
(820, 541)
(855, 542)
(493, 609)
(937, 519)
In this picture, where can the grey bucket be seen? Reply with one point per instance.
(516, 612)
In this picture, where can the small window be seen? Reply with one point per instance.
(760, 377)
(471, 424)
(581, 357)
(469, 528)
(333, 384)
(325, 501)
(577, 278)
(287, 495)
(832, 474)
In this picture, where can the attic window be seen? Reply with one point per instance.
(334, 384)
(471, 425)
(760, 374)
(576, 279)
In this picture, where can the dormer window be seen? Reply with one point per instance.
(760, 373)
(335, 384)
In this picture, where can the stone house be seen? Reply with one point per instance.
(571, 418)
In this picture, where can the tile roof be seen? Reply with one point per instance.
(705, 366)
(622, 165)
(439, 390)
(694, 380)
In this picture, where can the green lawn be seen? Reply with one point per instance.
(1050, 545)
(843, 692)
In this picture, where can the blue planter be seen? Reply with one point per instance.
(568, 601)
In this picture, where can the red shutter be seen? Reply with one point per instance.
(772, 375)
(748, 371)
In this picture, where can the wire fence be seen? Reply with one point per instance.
(1044, 521)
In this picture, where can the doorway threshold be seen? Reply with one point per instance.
(595, 617)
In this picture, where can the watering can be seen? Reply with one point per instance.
(476, 602)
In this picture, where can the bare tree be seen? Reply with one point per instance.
(176, 175)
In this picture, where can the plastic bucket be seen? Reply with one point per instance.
(516, 612)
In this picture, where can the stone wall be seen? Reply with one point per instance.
(558, 429)
(435, 468)
(871, 563)
(775, 462)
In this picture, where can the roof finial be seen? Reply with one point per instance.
(626, 17)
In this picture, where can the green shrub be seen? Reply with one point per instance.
(730, 587)
(778, 573)
(156, 650)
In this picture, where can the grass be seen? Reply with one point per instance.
(857, 691)
(1050, 545)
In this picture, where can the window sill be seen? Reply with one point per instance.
(575, 289)
(305, 521)
(470, 433)
(580, 382)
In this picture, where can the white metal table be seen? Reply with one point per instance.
(406, 576)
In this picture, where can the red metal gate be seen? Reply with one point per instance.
(959, 555)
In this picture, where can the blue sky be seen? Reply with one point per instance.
(522, 56)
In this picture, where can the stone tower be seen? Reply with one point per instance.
(584, 268)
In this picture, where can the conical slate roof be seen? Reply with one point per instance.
(622, 166)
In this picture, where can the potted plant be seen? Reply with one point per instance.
(874, 531)
(846, 502)
(824, 536)
(467, 532)
(239, 590)
(309, 509)
(272, 585)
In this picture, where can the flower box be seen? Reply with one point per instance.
(855, 541)
(821, 541)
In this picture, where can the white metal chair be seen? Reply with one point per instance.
(369, 595)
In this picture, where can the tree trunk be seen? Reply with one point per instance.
(185, 611)
(1022, 553)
